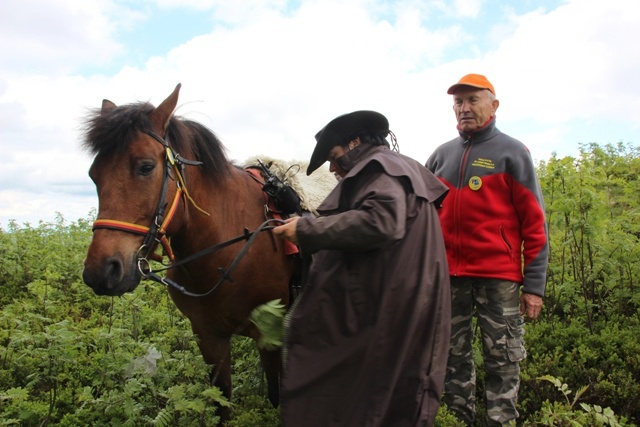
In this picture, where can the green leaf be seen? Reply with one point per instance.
(269, 318)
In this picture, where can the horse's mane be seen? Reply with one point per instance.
(108, 133)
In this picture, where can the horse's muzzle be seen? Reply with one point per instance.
(111, 276)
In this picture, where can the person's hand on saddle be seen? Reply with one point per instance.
(288, 230)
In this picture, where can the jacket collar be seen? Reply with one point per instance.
(480, 134)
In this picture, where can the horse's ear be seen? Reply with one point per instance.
(106, 107)
(162, 114)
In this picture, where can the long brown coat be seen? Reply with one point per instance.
(367, 342)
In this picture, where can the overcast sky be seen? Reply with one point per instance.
(265, 76)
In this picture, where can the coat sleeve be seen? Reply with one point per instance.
(529, 205)
(375, 217)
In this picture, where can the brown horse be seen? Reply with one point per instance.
(165, 180)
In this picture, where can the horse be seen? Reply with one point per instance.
(165, 185)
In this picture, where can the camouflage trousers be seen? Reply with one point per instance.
(497, 306)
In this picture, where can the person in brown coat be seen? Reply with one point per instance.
(366, 343)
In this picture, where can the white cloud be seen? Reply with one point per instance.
(575, 62)
(34, 208)
(268, 78)
(55, 36)
(468, 8)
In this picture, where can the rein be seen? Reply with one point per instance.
(225, 274)
(157, 233)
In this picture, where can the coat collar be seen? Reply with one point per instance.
(423, 183)
(481, 134)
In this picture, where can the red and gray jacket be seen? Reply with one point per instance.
(493, 217)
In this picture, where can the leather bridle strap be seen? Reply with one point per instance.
(160, 235)
(225, 275)
(157, 232)
(113, 224)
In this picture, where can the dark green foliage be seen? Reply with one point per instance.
(606, 361)
(71, 358)
(571, 412)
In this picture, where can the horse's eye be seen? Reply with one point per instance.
(145, 170)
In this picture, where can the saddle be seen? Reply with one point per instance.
(282, 201)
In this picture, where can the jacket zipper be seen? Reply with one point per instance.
(458, 204)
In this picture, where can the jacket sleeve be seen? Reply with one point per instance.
(375, 217)
(529, 205)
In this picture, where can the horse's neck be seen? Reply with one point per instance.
(229, 205)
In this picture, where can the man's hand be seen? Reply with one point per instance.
(288, 230)
(531, 305)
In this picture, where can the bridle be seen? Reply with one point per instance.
(157, 232)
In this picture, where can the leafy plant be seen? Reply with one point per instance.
(566, 414)
(71, 358)
(269, 319)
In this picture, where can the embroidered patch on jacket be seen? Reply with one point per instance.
(483, 163)
(475, 183)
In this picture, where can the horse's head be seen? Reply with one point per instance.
(130, 171)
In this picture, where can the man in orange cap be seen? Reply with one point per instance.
(495, 233)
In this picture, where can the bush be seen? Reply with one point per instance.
(71, 358)
(606, 361)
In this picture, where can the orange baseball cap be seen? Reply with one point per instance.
(473, 80)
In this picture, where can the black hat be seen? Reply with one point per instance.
(340, 131)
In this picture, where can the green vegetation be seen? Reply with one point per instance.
(71, 358)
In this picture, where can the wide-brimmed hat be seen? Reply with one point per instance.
(340, 130)
(473, 80)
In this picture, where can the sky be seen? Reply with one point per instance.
(265, 76)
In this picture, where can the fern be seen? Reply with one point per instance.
(163, 419)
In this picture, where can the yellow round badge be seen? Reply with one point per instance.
(475, 183)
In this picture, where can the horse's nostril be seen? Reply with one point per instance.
(114, 270)
(104, 277)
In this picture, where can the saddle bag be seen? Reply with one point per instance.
(286, 199)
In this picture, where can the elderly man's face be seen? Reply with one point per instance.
(473, 107)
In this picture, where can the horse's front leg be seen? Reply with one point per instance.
(272, 366)
(216, 351)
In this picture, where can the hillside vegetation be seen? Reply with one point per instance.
(70, 358)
